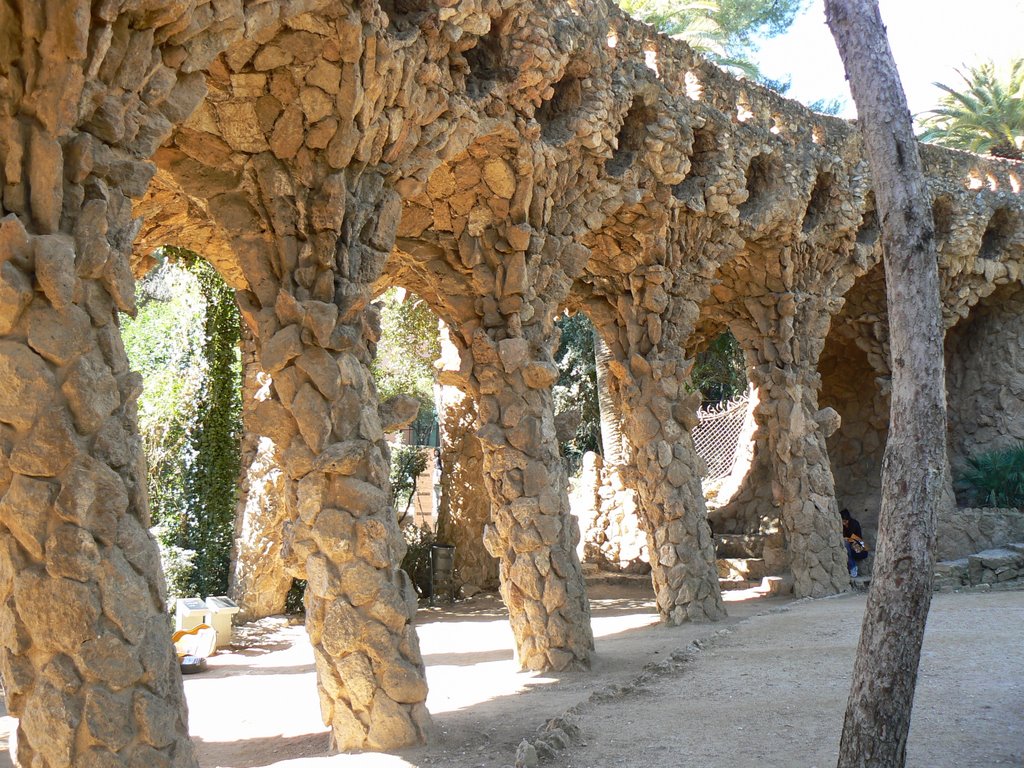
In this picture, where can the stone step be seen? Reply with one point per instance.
(733, 545)
(749, 568)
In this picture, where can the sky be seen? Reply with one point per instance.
(930, 39)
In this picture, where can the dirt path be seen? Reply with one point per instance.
(767, 689)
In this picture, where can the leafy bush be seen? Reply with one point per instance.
(576, 388)
(407, 463)
(295, 600)
(177, 564)
(995, 479)
(416, 562)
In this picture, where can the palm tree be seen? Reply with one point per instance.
(985, 117)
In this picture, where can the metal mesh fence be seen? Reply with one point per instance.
(717, 435)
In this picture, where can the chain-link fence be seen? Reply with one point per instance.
(717, 434)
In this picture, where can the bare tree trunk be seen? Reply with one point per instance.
(611, 413)
(885, 672)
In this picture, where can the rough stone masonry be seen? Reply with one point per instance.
(505, 159)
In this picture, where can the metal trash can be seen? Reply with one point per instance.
(189, 613)
(222, 610)
(442, 573)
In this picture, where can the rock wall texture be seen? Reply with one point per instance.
(465, 504)
(963, 532)
(260, 579)
(985, 376)
(504, 159)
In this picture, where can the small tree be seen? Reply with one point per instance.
(407, 463)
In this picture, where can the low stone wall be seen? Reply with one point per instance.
(963, 532)
(608, 518)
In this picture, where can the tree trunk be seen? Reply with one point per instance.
(885, 672)
(611, 413)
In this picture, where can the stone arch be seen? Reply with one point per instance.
(850, 385)
(821, 201)
(985, 376)
(1002, 229)
(705, 156)
(557, 114)
(630, 138)
(405, 17)
(760, 179)
(488, 60)
(943, 216)
(869, 230)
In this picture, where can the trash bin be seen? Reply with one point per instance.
(221, 610)
(189, 613)
(442, 573)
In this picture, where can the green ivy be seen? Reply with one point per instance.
(184, 342)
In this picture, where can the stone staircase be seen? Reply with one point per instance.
(741, 564)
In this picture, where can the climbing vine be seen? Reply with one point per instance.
(184, 342)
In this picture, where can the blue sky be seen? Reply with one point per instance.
(929, 40)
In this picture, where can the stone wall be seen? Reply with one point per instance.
(850, 386)
(962, 532)
(985, 376)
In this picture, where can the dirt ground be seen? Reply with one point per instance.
(765, 688)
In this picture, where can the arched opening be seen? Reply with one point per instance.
(942, 216)
(630, 139)
(998, 234)
(760, 182)
(186, 341)
(868, 232)
(821, 201)
(702, 164)
(985, 378)
(486, 62)
(556, 114)
(405, 16)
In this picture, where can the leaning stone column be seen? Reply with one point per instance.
(85, 651)
(803, 489)
(259, 578)
(533, 534)
(507, 364)
(316, 330)
(658, 414)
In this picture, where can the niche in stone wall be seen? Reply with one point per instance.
(867, 232)
(820, 202)
(760, 183)
(998, 234)
(702, 164)
(486, 61)
(555, 115)
(942, 215)
(405, 16)
(630, 139)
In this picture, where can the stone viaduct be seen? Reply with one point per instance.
(505, 160)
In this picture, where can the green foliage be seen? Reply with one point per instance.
(721, 30)
(408, 347)
(211, 482)
(295, 600)
(407, 463)
(995, 479)
(986, 116)
(719, 371)
(184, 342)
(416, 562)
(576, 388)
